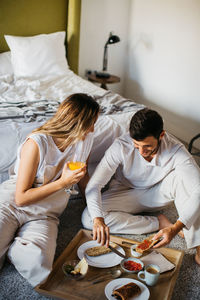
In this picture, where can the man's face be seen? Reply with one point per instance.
(147, 147)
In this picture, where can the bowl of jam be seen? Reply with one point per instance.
(132, 265)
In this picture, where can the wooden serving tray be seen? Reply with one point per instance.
(59, 286)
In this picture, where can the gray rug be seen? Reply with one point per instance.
(14, 287)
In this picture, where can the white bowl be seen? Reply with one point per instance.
(127, 268)
(134, 253)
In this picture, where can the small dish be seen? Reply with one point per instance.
(132, 265)
(134, 253)
(71, 265)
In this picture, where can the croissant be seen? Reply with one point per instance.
(126, 291)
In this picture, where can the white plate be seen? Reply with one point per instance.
(117, 283)
(102, 261)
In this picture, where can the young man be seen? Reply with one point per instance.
(149, 169)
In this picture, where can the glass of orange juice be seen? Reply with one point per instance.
(74, 165)
(78, 160)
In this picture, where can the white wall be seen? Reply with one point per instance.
(98, 19)
(158, 58)
(164, 61)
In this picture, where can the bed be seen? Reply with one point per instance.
(36, 76)
(26, 102)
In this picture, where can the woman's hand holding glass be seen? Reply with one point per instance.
(70, 177)
(78, 161)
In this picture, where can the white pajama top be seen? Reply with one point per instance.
(129, 168)
(50, 167)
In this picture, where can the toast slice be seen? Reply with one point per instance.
(146, 244)
(126, 291)
(99, 250)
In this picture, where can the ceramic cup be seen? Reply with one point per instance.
(150, 275)
(134, 253)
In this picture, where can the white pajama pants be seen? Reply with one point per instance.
(121, 206)
(29, 241)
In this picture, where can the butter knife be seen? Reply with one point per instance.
(116, 251)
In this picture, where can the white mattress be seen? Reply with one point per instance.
(38, 98)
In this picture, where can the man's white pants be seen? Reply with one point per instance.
(121, 206)
(30, 242)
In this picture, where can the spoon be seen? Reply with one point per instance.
(114, 274)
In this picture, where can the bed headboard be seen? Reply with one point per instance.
(31, 17)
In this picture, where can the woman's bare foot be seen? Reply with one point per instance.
(164, 222)
(197, 256)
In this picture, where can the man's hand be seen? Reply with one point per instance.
(101, 231)
(167, 234)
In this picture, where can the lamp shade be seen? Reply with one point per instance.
(113, 39)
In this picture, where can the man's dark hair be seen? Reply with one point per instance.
(144, 123)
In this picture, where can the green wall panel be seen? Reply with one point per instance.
(31, 17)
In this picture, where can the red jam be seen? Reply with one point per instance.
(144, 245)
(132, 265)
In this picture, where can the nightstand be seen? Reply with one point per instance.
(103, 81)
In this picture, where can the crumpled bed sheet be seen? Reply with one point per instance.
(27, 102)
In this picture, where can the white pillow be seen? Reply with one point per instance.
(5, 63)
(38, 55)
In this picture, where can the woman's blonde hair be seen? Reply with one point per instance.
(74, 117)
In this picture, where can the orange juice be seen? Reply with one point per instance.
(74, 165)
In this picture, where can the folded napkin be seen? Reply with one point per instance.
(158, 259)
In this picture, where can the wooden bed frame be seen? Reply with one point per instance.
(31, 17)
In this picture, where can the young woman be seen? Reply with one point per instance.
(34, 196)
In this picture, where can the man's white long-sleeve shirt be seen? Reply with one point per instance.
(133, 171)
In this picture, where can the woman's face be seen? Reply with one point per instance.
(91, 129)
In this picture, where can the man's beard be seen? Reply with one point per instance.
(154, 151)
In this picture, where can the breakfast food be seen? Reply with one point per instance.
(152, 270)
(126, 291)
(131, 265)
(146, 244)
(79, 269)
(99, 250)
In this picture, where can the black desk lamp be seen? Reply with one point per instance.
(111, 40)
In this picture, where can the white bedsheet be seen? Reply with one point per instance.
(27, 97)
(51, 88)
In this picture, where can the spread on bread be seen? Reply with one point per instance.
(126, 291)
(146, 244)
